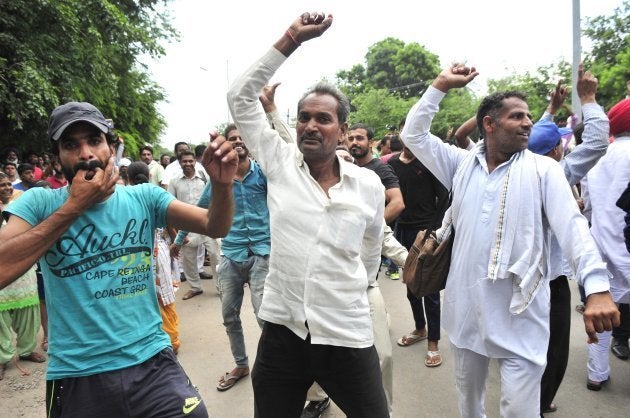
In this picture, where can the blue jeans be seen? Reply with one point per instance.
(233, 275)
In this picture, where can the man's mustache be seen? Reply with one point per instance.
(314, 136)
(91, 165)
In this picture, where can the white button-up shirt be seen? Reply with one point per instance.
(325, 250)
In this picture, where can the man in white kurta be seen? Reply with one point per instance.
(606, 182)
(496, 301)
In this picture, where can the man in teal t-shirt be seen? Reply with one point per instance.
(94, 242)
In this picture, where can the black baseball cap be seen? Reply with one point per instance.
(72, 112)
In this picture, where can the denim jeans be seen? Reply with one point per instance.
(232, 276)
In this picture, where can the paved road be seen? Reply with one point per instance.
(418, 390)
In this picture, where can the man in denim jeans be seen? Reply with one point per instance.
(245, 252)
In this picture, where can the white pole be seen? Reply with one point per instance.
(577, 53)
(227, 76)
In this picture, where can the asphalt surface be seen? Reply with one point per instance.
(418, 391)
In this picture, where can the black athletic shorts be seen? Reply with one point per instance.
(156, 388)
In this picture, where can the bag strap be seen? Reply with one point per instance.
(436, 217)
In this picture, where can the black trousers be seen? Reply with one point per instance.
(623, 330)
(156, 388)
(432, 307)
(286, 366)
(559, 340)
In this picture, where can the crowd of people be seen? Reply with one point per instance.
(95, 245)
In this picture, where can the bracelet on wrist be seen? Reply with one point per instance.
(292, 37)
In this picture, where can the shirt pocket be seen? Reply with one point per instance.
(350, 228)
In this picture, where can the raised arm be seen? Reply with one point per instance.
(22, 244)
(243, 97)
(440, 158)
(267, 99)
(596, 129)
(462, 134)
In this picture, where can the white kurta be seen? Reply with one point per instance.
(476, 310)
(606, 181)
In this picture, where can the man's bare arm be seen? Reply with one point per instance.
(21, 244)
(462, 134)
(395, 204)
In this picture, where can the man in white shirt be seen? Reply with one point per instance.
(546, 138)
(156, 171)
(187, 187)
(506, 202)
(326, 221)
(606, 182)
(174, 170)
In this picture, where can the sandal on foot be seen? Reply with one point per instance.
(229, 380)
(192, 294)
(34, 357)
(551, 408)
(594, 385)
(410, 339)
(433, 359)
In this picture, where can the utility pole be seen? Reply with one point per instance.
(576, 106)
(227, 76)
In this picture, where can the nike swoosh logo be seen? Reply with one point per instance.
(187, 409)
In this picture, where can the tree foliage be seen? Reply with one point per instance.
(382, 91)
(387, 84)
(609, 57)
(55, 51)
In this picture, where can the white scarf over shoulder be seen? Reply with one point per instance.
(517, 249)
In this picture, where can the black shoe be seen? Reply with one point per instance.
(595, 386)
(619, 348)
(205, 276)
(182, 277)
(315, 408)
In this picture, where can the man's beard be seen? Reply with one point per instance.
(358, 152)
(91, 165)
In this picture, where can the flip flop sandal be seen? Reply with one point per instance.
(428, 361)
(34, 357)
(410, 339)
(229, 380)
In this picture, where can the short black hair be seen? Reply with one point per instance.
(199, 149)
(187, 152)
(395, 144)
(491, 106)
(369, 131)
(178, 144)
(146, 147)
(228, 129)
(25, 167)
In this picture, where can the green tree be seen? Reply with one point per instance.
(394, 75)
(390, 64)
(536, 85)
(609, 57)
(379, 108)
(54, 51)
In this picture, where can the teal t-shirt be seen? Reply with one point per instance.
(102, 307)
